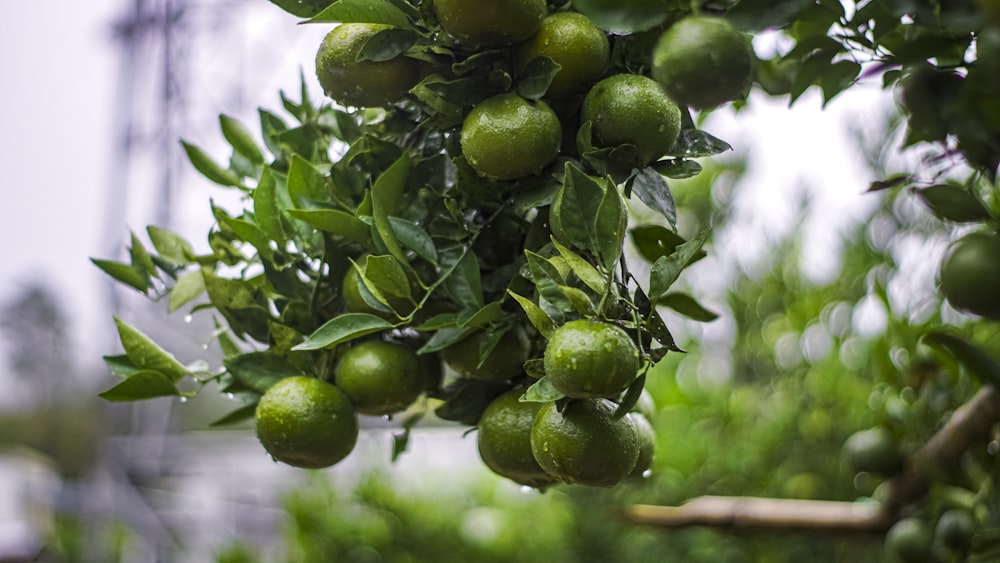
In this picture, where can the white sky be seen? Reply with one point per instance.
(60, 75)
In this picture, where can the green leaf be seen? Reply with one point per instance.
(209, 168)
(241, 414)
(241, 139)
(444, 338)
(170, 246)
(389, 187)
(121, 366)
(581, 302)
(188, 287)
(147, 354)
(305, 182)
(464, 285)
(124, 273)
(575, 208)
(581, 268)
(267, 208)
(694, 143)
(972, 357)
(541, 391)
(952, 203)
(631, 396)
(839, 76)
(687, 306)
(141, 260)
(655, 241)
(609, 227)
(894, 181)
(623, 17)
(344, 328)
(247, 230)
(667, 269)
(677, 168)
(536, 78)
(547, 280)
(489, 314)
(538, 319)
(439, 321)
(652, 190)
(387, 275)
(535, 368)
(145, 384)
(363, 11)
(414, 237)
(260, 370)
(387, 44)
(337, 223)
(303, 8)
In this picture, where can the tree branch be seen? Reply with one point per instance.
(968, 426)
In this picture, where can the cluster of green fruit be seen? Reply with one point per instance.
(550, 91)
(463, 204)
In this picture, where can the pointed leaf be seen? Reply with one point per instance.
(609, 227)
(667, 269)
(170, 246)
(209, 168)
(363, 11)
(146, 384)
(124, 273)
(952, 203)
(538, 319)
(344, 328)
(147, 354)
(687, 306)
(541, 391)
(260, 370)
(337, 223)
(267, 208)
(241, 414)
(652, 190)
(241, 139)
(188, 287)
(583, 269)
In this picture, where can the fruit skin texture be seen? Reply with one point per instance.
(873, 450)
(379, 377)
(490, 23)
(586, 359)
(909, 540)
(575, 44)
(585, 444)
(507, 137)
(703, 62)
(504, 440)
(632, 109)
(362, 83)
(970, 274)
(306, 422)
(505, 361)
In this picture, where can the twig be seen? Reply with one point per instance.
(968, 426)
(748, 513)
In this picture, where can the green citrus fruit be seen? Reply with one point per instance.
(490, 23)
(504, 362)
(507, 137)
(909, 540)
(351, 82)
(575, 44)
(504, 440)
(306, 422)
(585, 359)
(970, 274)
(647, 445)
(585, 443)
(379, 377)
(874, 451)
(955, 529)
(703, 62)
(632, 109)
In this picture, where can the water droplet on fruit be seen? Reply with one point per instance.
(188, 318)
(647, 474)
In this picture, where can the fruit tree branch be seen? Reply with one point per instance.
(969, 425)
